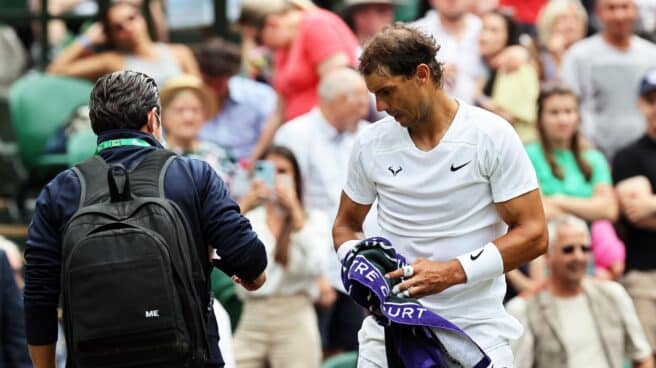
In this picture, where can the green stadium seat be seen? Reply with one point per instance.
(80, 146)
(343, 360)
(38, 105)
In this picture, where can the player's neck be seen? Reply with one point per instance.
(439, 117)
(428, 134)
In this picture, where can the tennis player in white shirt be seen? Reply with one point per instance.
(457, 195)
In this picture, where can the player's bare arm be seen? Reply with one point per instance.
(527, 235)
(525, 240)
(348, 222)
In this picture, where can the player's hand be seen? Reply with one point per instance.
(429, 277)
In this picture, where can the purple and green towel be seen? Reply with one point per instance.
(415, 337)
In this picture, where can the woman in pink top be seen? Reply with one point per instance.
(308, 42)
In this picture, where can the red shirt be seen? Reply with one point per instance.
(321, 34)
(525, 11)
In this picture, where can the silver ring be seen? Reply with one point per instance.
(408, 271)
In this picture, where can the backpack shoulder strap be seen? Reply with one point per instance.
(92, 174)
(147, 178)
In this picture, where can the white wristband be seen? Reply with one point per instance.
(345, 248)
(482, 264)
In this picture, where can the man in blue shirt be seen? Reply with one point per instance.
(244, 104)
(125, 107)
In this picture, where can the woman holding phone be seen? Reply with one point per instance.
(278, 325)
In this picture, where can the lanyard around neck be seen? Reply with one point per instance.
(122, 142)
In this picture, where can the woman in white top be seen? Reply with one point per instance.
(278, 326)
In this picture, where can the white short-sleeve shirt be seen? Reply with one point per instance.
(440, 204)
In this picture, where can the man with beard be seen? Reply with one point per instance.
(574, 321)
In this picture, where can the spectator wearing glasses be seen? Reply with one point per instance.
(124, 31)
(574, 321)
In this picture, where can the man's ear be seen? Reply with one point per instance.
(154, 121)
(423, 73)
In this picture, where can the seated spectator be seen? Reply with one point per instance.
(278, 325)
(308, 42)
(123, 29)
(13, 347)
(634, 172)
(244, 105)
(511, 94)
(186, 104)
(573, 179)
(321, 141)
(561, 23)
(574, 321)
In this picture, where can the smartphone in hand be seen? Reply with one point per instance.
(265, 171)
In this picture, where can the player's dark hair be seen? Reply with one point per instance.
(398, 50)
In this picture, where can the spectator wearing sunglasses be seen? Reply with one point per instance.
(575, 321)
(123, 30)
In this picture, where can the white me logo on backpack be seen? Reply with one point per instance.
(152, 313)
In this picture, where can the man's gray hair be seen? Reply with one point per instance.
(338, 82)
(555, 224)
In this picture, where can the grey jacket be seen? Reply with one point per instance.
(617, 324)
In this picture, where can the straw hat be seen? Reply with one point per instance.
(191, 83)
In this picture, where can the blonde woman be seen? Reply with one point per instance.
(561, 23)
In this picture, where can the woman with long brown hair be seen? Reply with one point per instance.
(574, 178)
(278, 326)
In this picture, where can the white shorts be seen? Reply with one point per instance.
(371, 338)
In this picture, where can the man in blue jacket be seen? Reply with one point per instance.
(125, 108)
(13, 349)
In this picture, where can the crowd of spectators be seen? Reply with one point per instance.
(575, 78)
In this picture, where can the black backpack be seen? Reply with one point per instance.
(131, 272)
